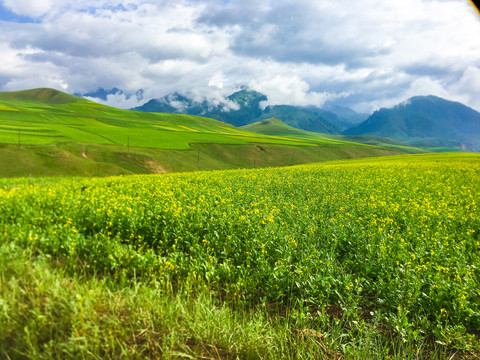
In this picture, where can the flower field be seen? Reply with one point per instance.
(389, 246)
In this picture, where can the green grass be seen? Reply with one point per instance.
(371, 258)
(46, 116)
(40, 96)
(276, 127)
(87, 159)
(44, 132)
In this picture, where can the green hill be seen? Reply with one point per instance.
(277, 127)
(46, 116)
(300, 118)
(273, 126)
(48, 132)
(41, 95)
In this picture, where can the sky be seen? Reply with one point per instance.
(363, 54)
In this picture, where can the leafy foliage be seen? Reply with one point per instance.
(391, 245)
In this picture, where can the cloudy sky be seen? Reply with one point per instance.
(364, 54)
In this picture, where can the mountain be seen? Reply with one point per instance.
(174, 103)
(244, 107)
(300, 118)
(426, 121)
(249, 107)
(348, 116)
(340, 123)
(237, 109)
(103, 94)
(157, 106)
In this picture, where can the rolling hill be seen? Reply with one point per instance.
(426, 121)
(300, 118)
(47, 132)
(277, 127)
(41, 96)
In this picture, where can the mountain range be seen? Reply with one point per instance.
(245, 107)
(422, 121)
(425, 121)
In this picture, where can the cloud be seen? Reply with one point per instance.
(468, 87)
(32, 8)
(293, 31)
(289, 90)
(362, 54)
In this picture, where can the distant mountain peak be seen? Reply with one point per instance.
(245, 107)
(245, 96)
(424, 120)
(103, 94)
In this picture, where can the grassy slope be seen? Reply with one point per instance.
(276, 127)
(45, 132)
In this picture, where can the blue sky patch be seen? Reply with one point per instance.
(7, 15)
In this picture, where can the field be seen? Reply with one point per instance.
(372, 258)
(44, 132)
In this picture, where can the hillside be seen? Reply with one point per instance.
(348, 116)
(245, 107)
(300, 118)
(426, 121)
(277, 127)
(273, 126)
(238, 109)
(47, 132)
(41, 96)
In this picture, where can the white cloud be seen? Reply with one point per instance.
(467, 88)
(288, 90)
(118, 101)
(33, 8)
(418, 86)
